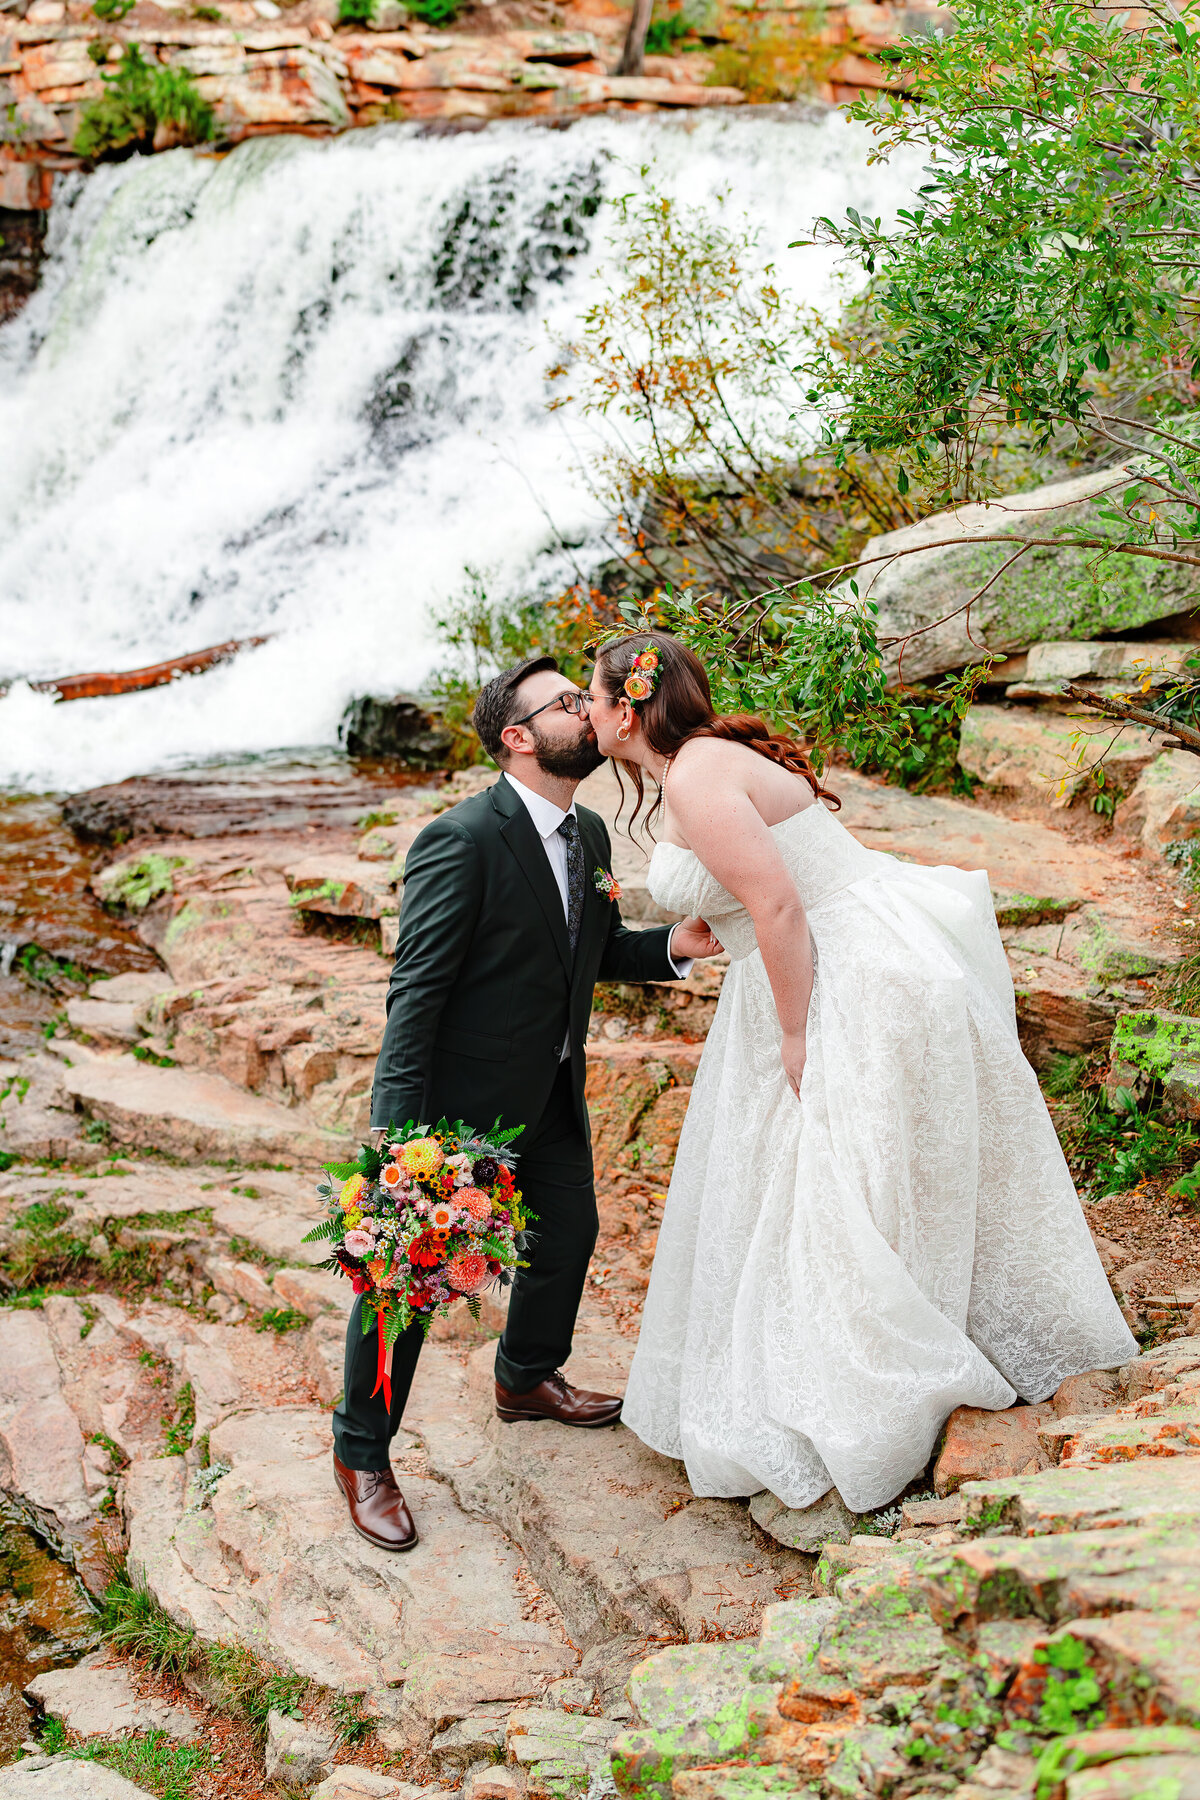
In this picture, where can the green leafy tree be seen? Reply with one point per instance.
(810, 663)
(705, 453)
(1043, 285)
(728, 504)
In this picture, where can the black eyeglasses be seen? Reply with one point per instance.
(572, 702)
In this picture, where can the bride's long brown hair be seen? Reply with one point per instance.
(681, 708)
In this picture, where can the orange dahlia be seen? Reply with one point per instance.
(474, 1201)
(467, 1272)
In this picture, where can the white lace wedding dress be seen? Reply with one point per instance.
(834, 1275)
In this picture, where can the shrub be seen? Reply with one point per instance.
(139, 98)
(433, 12)
(482, 637)
(662, 34)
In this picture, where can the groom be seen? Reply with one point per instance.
(505, 929)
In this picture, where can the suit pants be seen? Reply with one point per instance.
(555, 1176)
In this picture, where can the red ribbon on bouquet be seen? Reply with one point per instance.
(383, 1368)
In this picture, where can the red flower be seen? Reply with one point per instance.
(361, 1284)
(425, 1252)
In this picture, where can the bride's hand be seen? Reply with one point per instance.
(691, 937)
(795, 1055)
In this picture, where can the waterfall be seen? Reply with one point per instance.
(293, 391)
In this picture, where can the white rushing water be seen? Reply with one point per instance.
(295, 391)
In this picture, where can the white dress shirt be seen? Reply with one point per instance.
(547, 817)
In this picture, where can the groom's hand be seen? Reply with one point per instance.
(693, 938)
(377, 1137)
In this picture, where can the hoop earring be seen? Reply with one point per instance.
(622, 734)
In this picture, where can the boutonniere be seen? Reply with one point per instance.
(607, 885)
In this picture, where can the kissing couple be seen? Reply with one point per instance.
(870, 1220)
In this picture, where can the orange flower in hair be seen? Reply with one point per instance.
(638, 687)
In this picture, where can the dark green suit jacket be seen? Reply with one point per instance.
(484, 987)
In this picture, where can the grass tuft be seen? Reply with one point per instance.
(132, 1620)
(252, 1687)
(179, 1429)
(155, 1761)
(280, 1319)
(353, 1724)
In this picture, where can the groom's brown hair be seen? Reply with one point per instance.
(497, 705)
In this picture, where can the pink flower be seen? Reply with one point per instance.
(359, 1243)
(442, 1215)
(475, 1202)
(467, 1272)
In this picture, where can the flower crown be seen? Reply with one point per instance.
(642, 678)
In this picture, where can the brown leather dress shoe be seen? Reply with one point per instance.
(377, 1507)
(554, 1398)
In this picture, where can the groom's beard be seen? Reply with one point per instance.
(570, 761)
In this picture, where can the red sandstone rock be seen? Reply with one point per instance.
(981, 1445)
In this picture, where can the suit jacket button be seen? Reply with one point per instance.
(556, 1052)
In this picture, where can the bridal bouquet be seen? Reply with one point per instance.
(429, 1218)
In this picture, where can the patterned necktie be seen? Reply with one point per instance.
(569, 832)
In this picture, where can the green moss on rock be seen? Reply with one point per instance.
(1153, 1042)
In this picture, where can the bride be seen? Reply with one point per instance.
(870, 1220)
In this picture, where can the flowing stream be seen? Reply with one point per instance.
(295, 391)
(46, 1621)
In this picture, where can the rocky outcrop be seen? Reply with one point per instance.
(510, 1649)
(22, 237)
(41, 1444)
(397, 726)
(65, 1778)
(258, 1039)
(1051, 755)
(1163, 1047)
(1162, 814)
(1107, 667)
(305, 72)
(1005, 1663)
(921, 577)
(97, 1698)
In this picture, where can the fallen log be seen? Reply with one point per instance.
(135, 681)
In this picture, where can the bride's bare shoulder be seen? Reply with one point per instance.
(701, 761)
(704, 752)
(705, 768)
